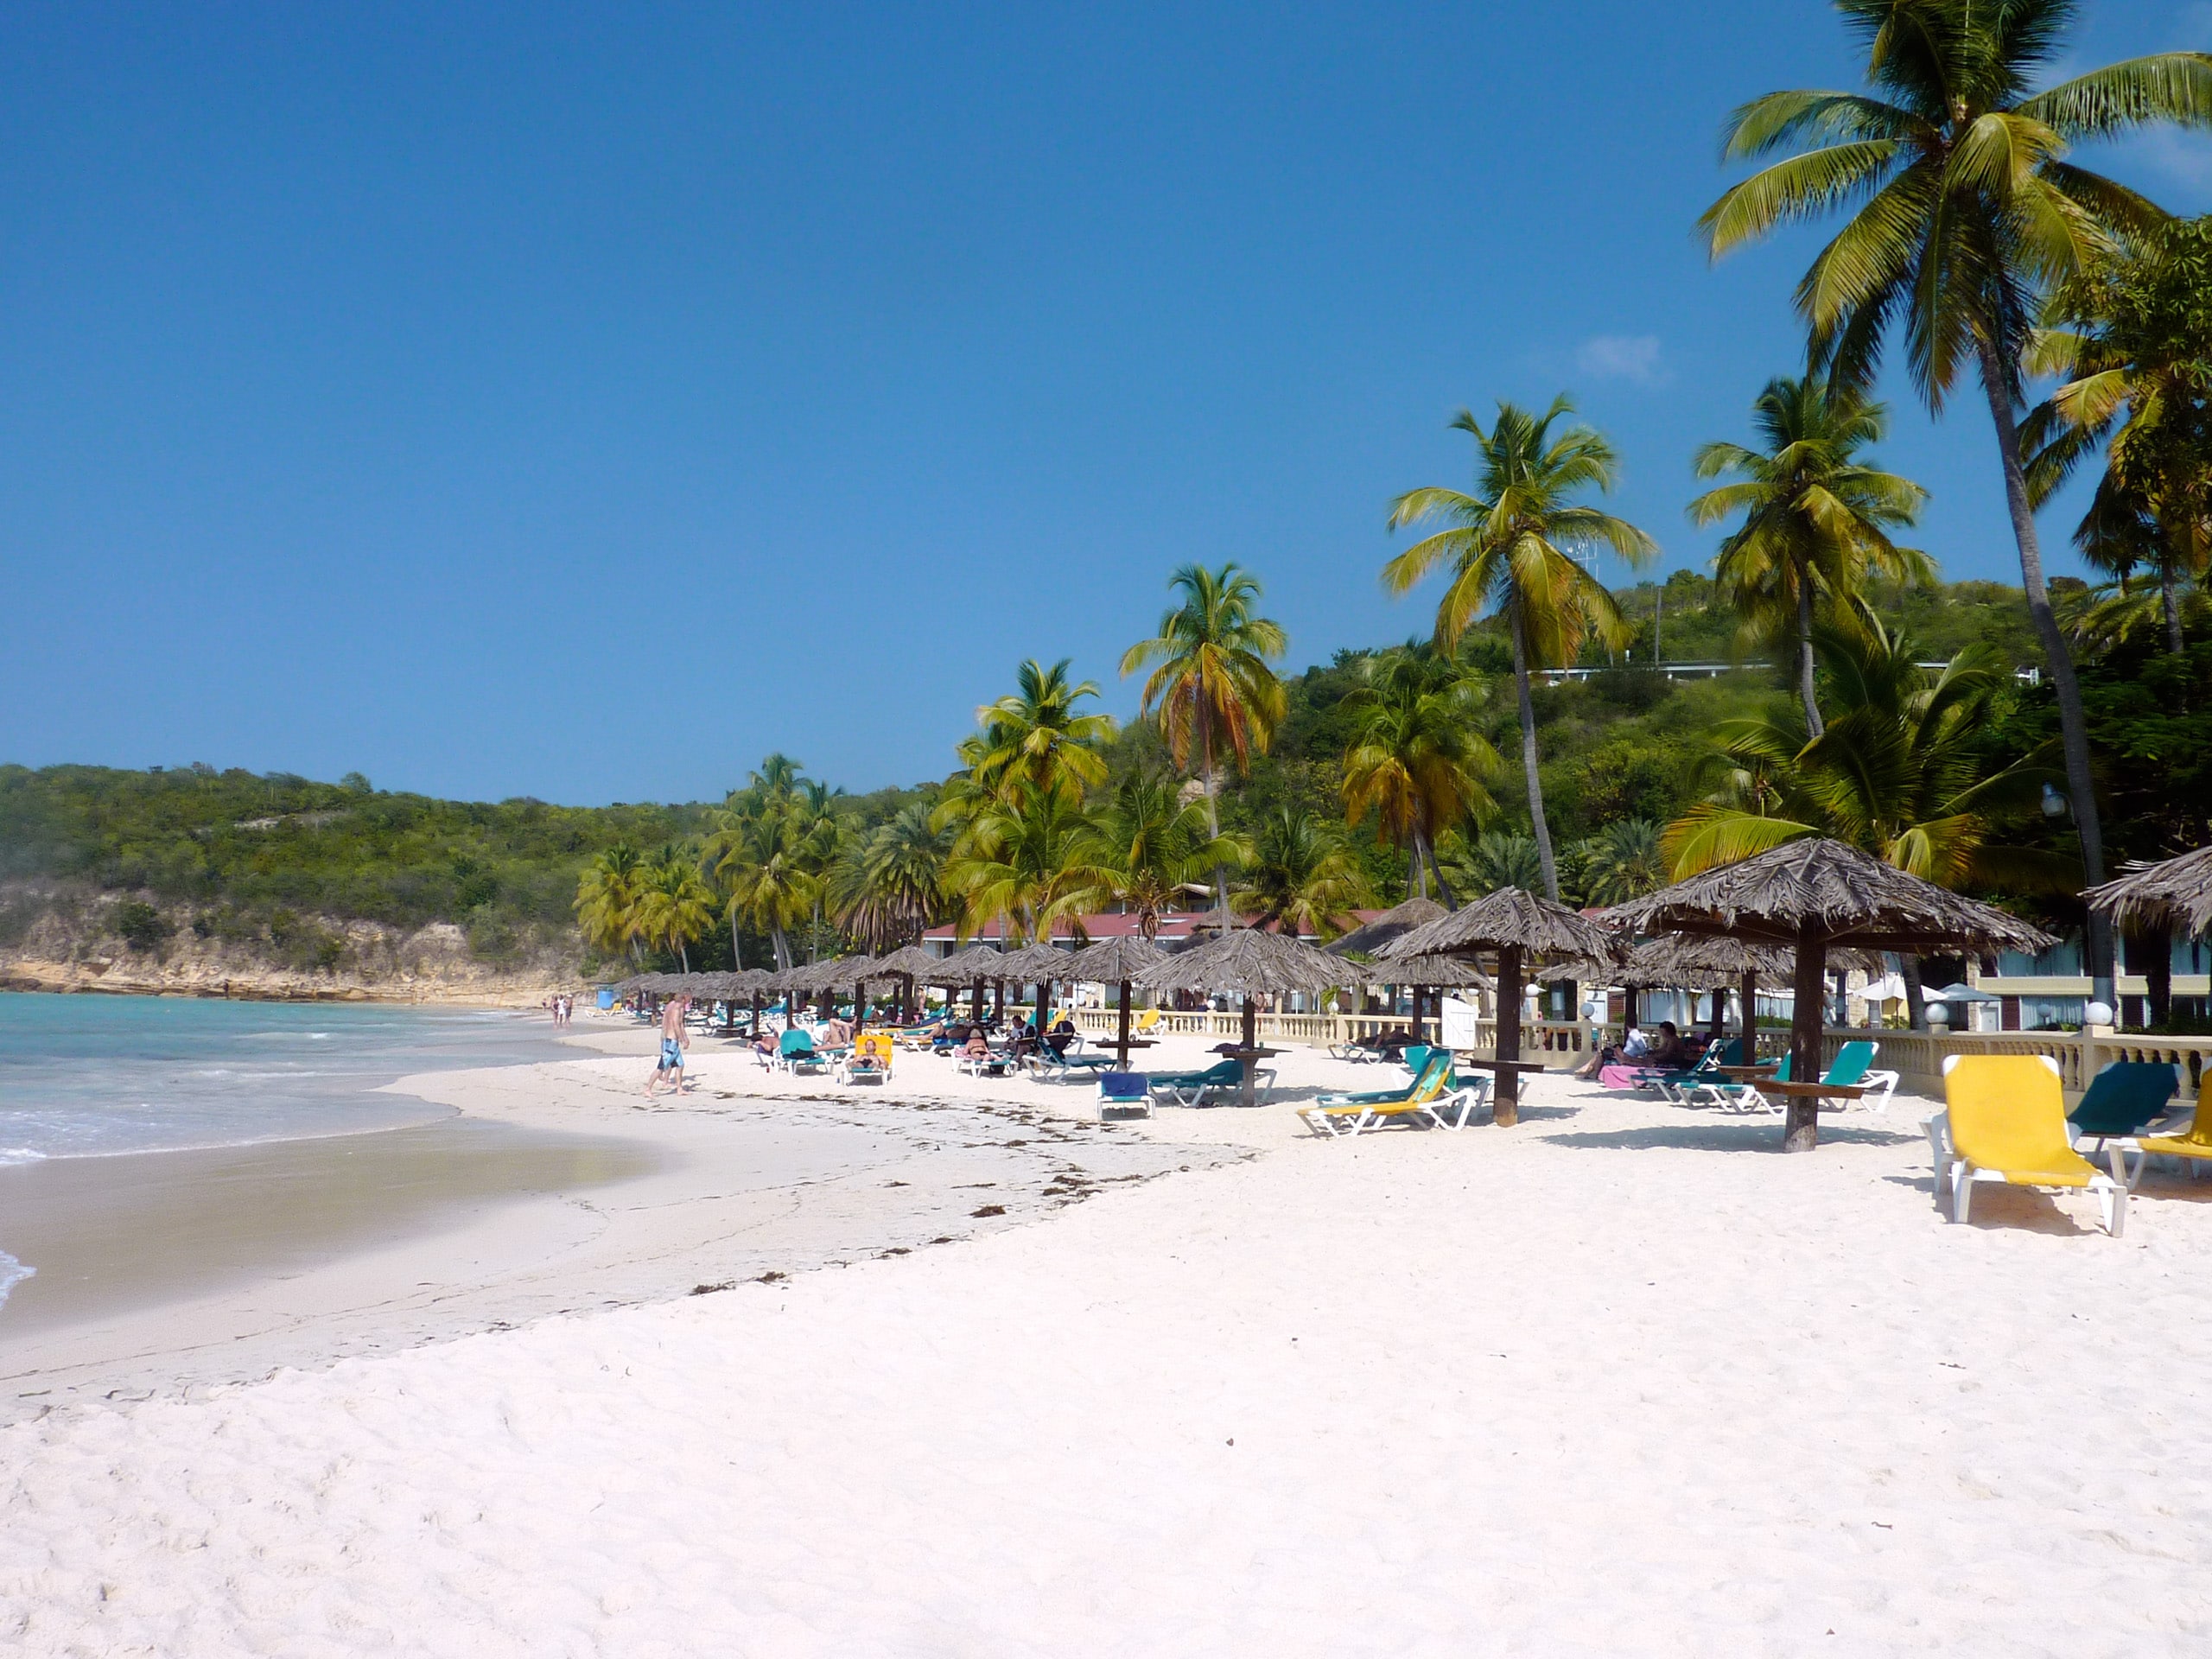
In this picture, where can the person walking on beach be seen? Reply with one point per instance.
(674, 1039)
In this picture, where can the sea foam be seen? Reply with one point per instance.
(12, 1273)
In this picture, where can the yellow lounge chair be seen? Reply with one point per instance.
(2195, 1147)
(1145, 1022)
(1427, 1102)
(869, 1059)
(2005, 1120)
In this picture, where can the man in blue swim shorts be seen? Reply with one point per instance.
(674, 1038)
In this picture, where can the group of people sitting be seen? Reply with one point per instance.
(1018, 1040)
(1623, 1064)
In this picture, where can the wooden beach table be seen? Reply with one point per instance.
(1509, 1075)
(1815, 1092)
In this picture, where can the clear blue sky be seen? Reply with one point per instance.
(457, 393)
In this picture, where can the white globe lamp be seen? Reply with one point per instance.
(1939, 1015)
(2098, 1013)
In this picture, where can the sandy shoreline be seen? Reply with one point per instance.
(555, 1187)
(1623, 1381)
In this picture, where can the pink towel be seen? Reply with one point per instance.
(1620, 1077)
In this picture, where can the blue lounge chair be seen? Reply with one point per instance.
(2122, 1101)
(1126, 1091)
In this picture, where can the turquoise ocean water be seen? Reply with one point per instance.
(95, 1076)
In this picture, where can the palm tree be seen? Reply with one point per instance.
(674, 906)
(606, 899)
(1034, 739)
(1815, 519)
(1623, 861)
(2128, 341)
(1417, 762)
(1143, 847)
(763, 859)
(1898, 771)
(1022, 864)
(1512, 545)
(1499, 858)
(1211, 681)
(1303, 878)
(888, 884)
(1970, 208)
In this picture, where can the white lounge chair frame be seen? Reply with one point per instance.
(1955, 1176)
(1449, 1111)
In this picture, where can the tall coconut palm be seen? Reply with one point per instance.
(1968, 208)
(1418, 761)
(1815, 518)
(1021, 863)
(1210, 679)
(606, 899)
(1496, 859)
(1512, 545)
(2131, 338)
(1302, 878)
(1142, 847)
(764, 863)
(888, 883)
(1034, 737)
(675, 905)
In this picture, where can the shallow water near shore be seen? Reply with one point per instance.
(88, 1076)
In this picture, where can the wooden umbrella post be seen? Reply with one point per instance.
(1750, 1019)
(1251, 1042)
(1801, 1131)
(1122, 1062)
(1506, 1111)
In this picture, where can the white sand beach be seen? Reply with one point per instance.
(1620, 1381)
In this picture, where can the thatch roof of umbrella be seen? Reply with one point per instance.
(1511, 919)
(1432, 973)
(841, 973)
(799, 976)
(1032, 961)
(978, 965)
(2175, 894)
(1249, 962)
(906, 959)
(1111, 961)
(1394, 923)
(1691, 961)
(1833, 891)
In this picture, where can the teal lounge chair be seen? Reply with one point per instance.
(1678, 1086)
(1850, 1070)
(2122, 1101)
(1190, 1088)
(795, 1052)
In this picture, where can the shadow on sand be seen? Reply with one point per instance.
(1761, 1137)
(2006, 1209)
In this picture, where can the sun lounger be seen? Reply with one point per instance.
(1124, 1091)
(869, 1059)
(993, 1064)
(1427, 1102)
(795, 1052)
(1362, 1049)
(2194, 1148)
(1190, 1088)
(1061, 1067)
(2005, 1120)
(2122, 1101)
(1679, 1086)
(1144, 1023)
(1849, 1070)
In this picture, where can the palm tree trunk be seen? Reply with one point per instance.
(1420, 863)
(736, 955)
(1214, 812)
(1528, 752)
(1443, 887)
(2074, 725)
(1814, 725)
(2170, 603)
(682, 954)
(783, 948)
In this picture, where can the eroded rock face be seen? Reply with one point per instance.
(71, 942)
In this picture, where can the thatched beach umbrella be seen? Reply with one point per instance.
(2174, 895)
(1116, 962)
(978, 966)
(1252, 962)
(1392, 924)
(1519, 926)
(907, 964)
(1813, 895)
(1042, 964)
